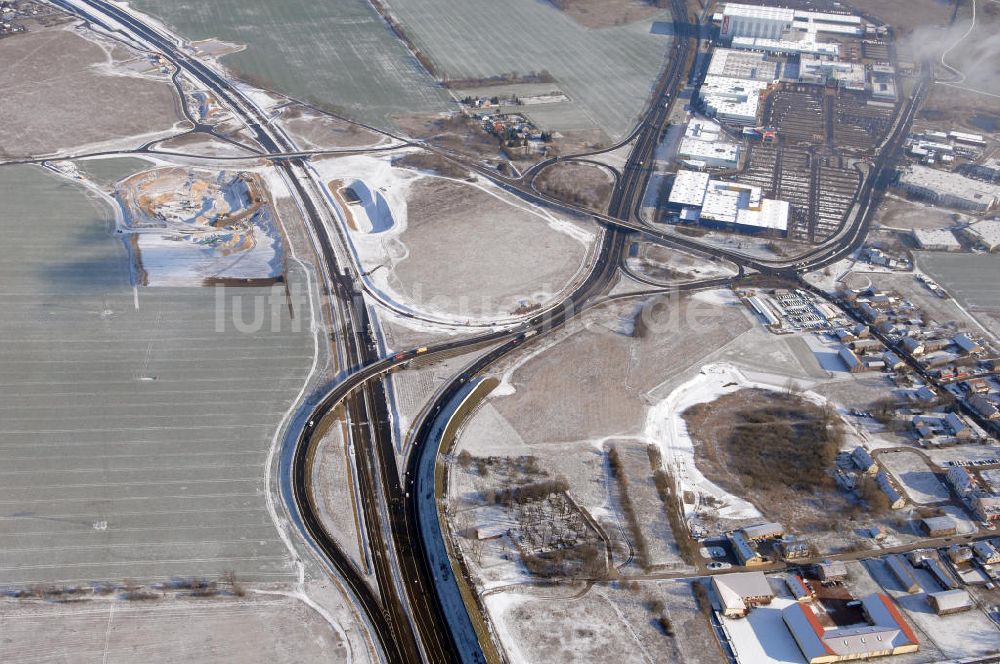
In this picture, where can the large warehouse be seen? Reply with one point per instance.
(727, 205)
(753, 21)
(950, 189)
(738, 20)
(704, 145)
(735, 100)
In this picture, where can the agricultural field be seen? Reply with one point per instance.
(87, 95)
(137, 421)
(971, 280)
(264, 629)
(337, 54)
(606, 73)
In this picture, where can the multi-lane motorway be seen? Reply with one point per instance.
(405, 614)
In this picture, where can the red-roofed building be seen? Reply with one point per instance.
(885, 633)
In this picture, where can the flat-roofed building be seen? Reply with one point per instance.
(742, 64)
(740, 20)
(733, 100)
(740, 592)
(950, 189)
(806, 45)
(831, 570)
(986, 233)
(704, 142)
(728, 205)
(935, 239)
(886, 632)
(820, 71)
(721, 154)
(688, 189)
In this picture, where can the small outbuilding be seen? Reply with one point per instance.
(939, 526)
(949, 601)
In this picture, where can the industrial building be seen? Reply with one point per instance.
(819, 71)
(985, 233)
(949, 189)
(738, 593)
(936, 239)
(885, 632)
(882, 80)
(734, 100)
(742, 64)
(805, 45)
(704, 145)
(727, 205)
(739, 20)
(753, 21)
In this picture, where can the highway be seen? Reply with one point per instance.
(386, 615)
(406, 615)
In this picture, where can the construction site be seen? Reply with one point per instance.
(185, 226)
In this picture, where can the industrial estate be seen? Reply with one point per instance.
(437, 331)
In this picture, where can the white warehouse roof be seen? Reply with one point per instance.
(742, 64)
(807, 45)
(689, 188)
(732, 99)
(719, 152)
(756, 11)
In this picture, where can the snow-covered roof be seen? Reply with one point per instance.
(689, 188)
(733, 589)
(886, 630)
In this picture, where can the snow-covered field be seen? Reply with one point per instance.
(915, 477)
(450, 251)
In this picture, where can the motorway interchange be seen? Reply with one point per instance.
(407, 614)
